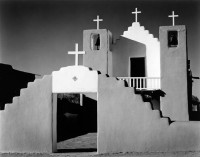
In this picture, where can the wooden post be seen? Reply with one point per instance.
(54, 123)
(81, 99)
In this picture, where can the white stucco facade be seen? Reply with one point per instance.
(139, 34)
(74, 79)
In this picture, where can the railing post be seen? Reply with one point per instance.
(136, 84)
(130, 82)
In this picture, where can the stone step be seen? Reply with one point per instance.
(165, 120)
(11, 106)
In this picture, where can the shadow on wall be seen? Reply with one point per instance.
(74, 120)
(194, 110)
(152, 96)
(11, 82)
(77, 150)
(193, 101)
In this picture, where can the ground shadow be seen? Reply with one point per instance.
(77, 150)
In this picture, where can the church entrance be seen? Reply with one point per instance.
(76, 122)
(137, 67)
(74, 126)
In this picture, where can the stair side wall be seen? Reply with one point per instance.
(127, 124)
(26, 124)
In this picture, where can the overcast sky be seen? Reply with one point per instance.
(36, 35)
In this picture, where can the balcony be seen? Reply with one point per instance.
(142, 83)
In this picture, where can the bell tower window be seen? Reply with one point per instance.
(95, 42)
(172, 39)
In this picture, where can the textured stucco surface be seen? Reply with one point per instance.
(98, 59)
(122, 51)
(174, 75)
(127, 124)
(26, 124)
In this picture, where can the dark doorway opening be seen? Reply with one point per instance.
(76, 123)
(137, 67)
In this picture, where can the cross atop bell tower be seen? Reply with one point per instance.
(173, 18)
(98, 20)
(97, 44)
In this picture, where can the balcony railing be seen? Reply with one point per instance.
(142, 83)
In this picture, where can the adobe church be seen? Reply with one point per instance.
(141, 86)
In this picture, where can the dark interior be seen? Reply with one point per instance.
(137, 67)
(74, 120)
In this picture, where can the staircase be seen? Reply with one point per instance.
(132, 95)
(130, 123)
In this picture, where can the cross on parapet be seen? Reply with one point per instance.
(173, 18)
(136, 12)
(97, 20)
(76, 53)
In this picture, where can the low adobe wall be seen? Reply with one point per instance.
(26, 124)
(125, 122)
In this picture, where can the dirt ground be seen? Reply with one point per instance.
(175, 154)
(86, 146)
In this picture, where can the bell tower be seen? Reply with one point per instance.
(97, 44)
(174, 71)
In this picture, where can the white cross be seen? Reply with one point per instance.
(136, 12)
(173, 16)
(76, 53)
(98, 20)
